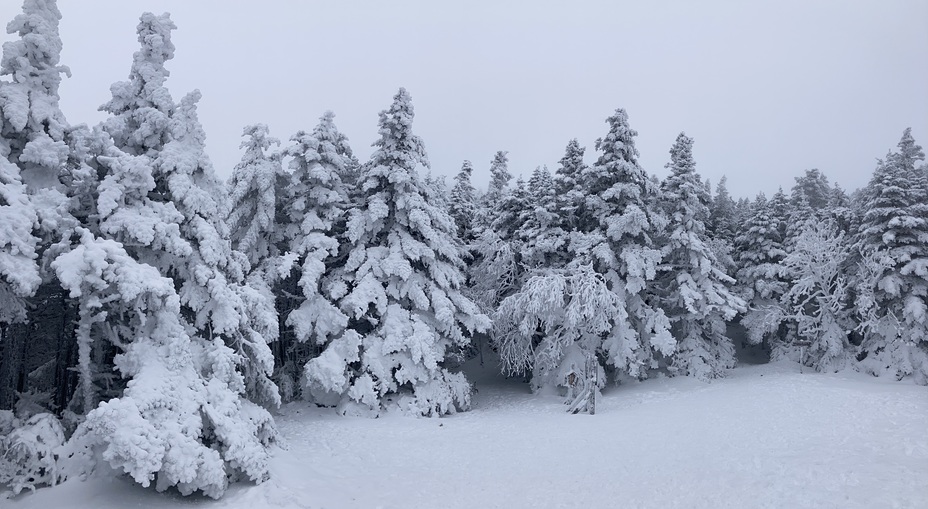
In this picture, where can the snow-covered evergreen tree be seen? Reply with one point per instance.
(812, 189)
(815, 301)
(497, 191)
(404, 275)
(809, 202)
(556, 319)
(694, 290)
(463, 202)
(192, 355)
(722, 221)
(540, 233)
(617, 234)
(34, 152)
(567, 184)
(894, 232)
(176, 178)
(173, 424)
(33, 149)
(254, 197)
(499, 175)
(623, 224)
(317, 201)
(760, 249)
(19, 272)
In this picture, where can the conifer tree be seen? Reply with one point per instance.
(760, 249)
(254, 197)
(694, 290)
(167, 139)
(623, 225)
(172, 424)
(317, 202)
(894, 300)
(722, 221)
(543, 240)
(32, 146)
(815, 300)
(161, 202)
(408, 316)
(497, 190)
(463, 204)
(567, 184)
(499, 175)
(34, 149)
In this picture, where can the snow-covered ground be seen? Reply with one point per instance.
(766, 436)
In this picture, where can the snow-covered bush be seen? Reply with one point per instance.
(29, 451)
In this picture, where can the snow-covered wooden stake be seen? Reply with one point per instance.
(593, 373)
(802, 344)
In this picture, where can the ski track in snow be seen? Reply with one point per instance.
(766, 436)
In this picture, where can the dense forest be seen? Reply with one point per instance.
(153, 316)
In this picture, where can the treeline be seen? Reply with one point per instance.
(151, 315)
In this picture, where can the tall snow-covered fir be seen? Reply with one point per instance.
(401, 288)
(894, 230)
(693, 289)
(315, 207)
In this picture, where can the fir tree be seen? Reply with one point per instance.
(254, 197)
(403, 295)
(894, 231)
(497, 190)
(695, 292)
(722, 222)
(499, 175)
(317, 201)
(161, 201)
(760, 248)
(463, 204)
(619, 225)
(34, 153)
(815, 300)
(567, 184)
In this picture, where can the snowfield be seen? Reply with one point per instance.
(766, 436)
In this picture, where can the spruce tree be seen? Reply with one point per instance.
(316, 203)
(34, 149)
(760, 249)
(404, 276)
(254, 201)
(497, 190)
(161, 202)
(722, 222)
(894, 299)
(567, 184)
(620, 225)
(168, 139)
(694, 290)
(463, 204)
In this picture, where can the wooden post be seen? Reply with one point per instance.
(593, 379)
(802, 344)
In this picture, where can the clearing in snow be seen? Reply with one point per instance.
(765, 436)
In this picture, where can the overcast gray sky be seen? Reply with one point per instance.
(766, 88)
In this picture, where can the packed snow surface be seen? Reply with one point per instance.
(766, 436)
